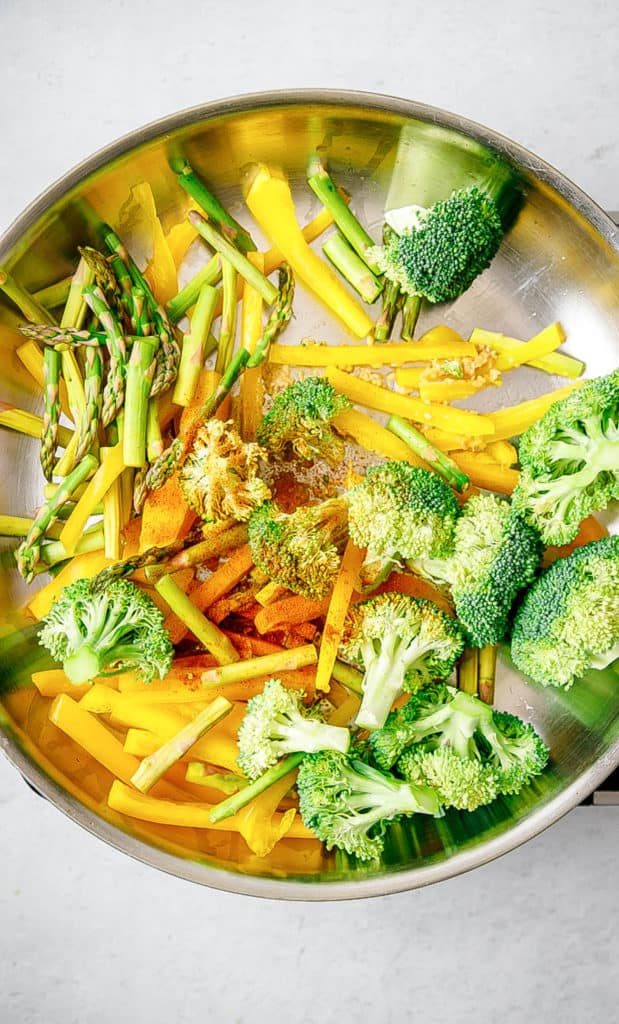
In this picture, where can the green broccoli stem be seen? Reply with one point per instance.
(227, 327)
(410, 315)
(601, 661)
(210, 274)
(382, 684)
(82, 666)
(195, 187)
(155, 765)
(140, 370)
(352, 268)
(241, 264)
(323, 187)
(435, 458)
(194, 346)
(239, 800)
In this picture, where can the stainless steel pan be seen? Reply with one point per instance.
(559, 261)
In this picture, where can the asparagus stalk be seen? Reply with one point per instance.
(151, 557)
(239, 800)
(352, 268)
(195, 187)
(468, 671)
(209, 635)
(223, 537)
(227, 328)
(140, 370)
(19, 526)
(54, 295)
(153, 767)
(29, 552)
(113, 514)
(266, 665)
(154, 437)
(240, 262)
(225, 782)
(114, 391)
(439, 461)
(62, 337)
(55, 551)
(25, 302)
(393, 299)
(322, 185)
(487, 673)
(188, 296)
(348, 676)
(93, 383)
(194, 346)
(51, 411)
(74, 312)
(410, 315)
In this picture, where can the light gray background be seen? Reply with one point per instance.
(86, 935)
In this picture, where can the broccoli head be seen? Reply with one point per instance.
(300, 550)
(495, 555)
(276, 724)
(387, 743)
(219, 478)
(472, 730)
(348, 804)
(299, 422)
(402, 643)
(459, 781)
(397, 512)
(568, 621)
(570, 461)
(102, 632)
(452, 242)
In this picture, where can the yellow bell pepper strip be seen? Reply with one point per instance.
(346, 712)
(29, 423)
(202, 628)
(379, 354)
(374, 396)
(512, 421)
(270, 592)
(336, 614)
(554, 362)
(101, 481)
(266, 665)
(188, 815)
(157, 764)
(260, 825)
(503, 452)
(447, 390)
(270, 201)
(86, 729)
(273, 258)
(540, 345)
(486, 473)
(409, 377)
(52, 681)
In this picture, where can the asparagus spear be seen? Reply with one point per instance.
(227, 328)
(468, 671)
(352, 268)
(240, 262)
(63, 337)
(209, 274)
(428, 452)
(322, 185)
(410, 315)
(487, 673)
(393, 299)
(194, 345)
(29, 552)
(51, 411)
(114, 391)
(239, 800)
(53, 295)
(209, 635)
(24, 301)
(140, 371)
(195, 187)
(150, 557)
(93, 382)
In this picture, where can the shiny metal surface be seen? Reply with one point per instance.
(559, 261)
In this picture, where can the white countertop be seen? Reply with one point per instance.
(88, 935)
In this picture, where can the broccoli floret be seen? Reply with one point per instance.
(348, 804)
(495, 555)
(219, 477)
(459, 781)
(402, 643)
(451, 243)
(568, 621)
(276, 724)
(300, 550)
(570, 461)
(299, 422)
(387, 743)
(399, 511)
(474, 731)
(116, 629)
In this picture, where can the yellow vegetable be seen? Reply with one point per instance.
(270, 201)
(388, 354)
(103, 478)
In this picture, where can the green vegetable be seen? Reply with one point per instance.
(570, 460)
(299, 422)
(301, 550)
(196, 188)
(219, 478)
(419, 443)
(568, 621)
(440, 255)
(51, 412)
(445, 717)
(402, 643)
(320, 182)
(276, 724)
(352, 268)
(495, 555)
(102, 632)
(459, 782)
(349, 804)
(398, 512)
